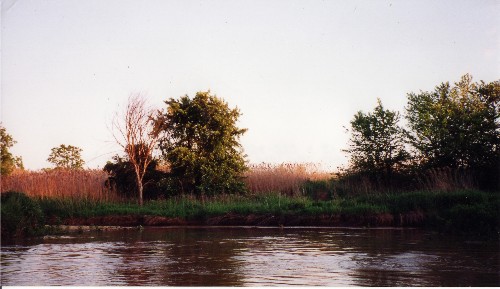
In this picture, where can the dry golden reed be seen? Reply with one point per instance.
(286, 178)
(74, 184)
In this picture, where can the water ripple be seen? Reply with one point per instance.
(243, 257)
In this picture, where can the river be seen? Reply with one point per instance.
(245, 256)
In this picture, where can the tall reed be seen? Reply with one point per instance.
(286, 178)
(73, 184)
(445, 179)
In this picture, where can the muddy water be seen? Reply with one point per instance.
(215, 256)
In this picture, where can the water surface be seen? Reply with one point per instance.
(243, 256)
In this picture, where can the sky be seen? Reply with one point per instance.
(297, 70)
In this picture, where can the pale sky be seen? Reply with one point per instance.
(297, 70)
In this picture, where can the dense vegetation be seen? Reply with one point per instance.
(463, 212)
(200, 141)
(8, 162)
(442, 171)
(453, 127)
(21, 215)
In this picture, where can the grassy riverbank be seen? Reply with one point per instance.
(463, 212)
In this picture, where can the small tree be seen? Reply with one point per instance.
(200, 141)
(377, 143)
(134, 133)
(66, 157)
(8, 162)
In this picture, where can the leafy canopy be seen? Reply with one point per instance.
(377, 143)
(8, 162)
(66, 157)
(456, 126)
(200, 141)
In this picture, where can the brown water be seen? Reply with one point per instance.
(215, 256)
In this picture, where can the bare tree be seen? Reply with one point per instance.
(133, 131)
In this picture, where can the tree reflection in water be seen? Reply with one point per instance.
(242, 256)
(182, 257)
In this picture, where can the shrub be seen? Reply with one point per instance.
(478, 219)
(320, 189)
(21, 215)
(122, 179)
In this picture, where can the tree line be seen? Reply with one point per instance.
(197, 141)
(62, 157)
(454, 126)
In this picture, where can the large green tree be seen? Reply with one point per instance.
(8, 162)
(456, 126)
(66, 157)
(200, 141)
(377, 143)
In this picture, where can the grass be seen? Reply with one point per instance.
(430, 201)
(475, 211)
(463, 212)
(286, 189)
(189, 207)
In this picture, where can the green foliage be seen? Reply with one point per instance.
(200, 141)
(453, 127)
(66, 157)
(189, 207)
(479, 219)
(377, 143)
(378, 156)
(319, 189)
(21, 215)
(463, 212)
(8, 162)
(70, 208)
(456, 126)
(123, 179)
(353, 207)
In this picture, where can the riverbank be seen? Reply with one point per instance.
(231, 219)
(462, 212)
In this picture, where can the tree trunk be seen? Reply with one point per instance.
(140, 194)
(140, 190)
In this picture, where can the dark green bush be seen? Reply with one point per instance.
(123, 179)
(319, 189)
(478, 219)
(21, 216)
